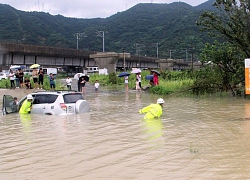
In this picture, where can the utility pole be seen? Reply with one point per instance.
(186, 55)
(101, 34)
(157, 49)
(78, 35)
(186, 50)
(170, 53)
(138, 49)
(124, 63)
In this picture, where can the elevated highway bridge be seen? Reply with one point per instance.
(73, 60)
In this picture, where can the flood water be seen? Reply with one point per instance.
(196, 138)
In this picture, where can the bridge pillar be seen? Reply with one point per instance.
(166, 64)
(108, 60)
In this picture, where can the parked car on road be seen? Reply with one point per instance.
(28, 72)
(3, 76)
(50, 103)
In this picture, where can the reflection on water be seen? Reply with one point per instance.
(153, 130)
(194, 139)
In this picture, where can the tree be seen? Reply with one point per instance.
(232, 20)
(225, 58)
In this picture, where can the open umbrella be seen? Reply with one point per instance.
(123, 74)
(34, 66)
(157, 72)
(135, 71)
(149, 77)
(80, 75)
(86, 78)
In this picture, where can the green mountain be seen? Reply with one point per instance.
(139, 30)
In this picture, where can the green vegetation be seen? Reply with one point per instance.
(184, 83)
(231, 22)
(5, 83)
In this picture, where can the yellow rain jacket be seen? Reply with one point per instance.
(152, 111)
(25, 108)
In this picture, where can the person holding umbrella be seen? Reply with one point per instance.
(35, 77)
(83, 79)
(155, 78)
(138, 77)
(125, 75)
(126, 82)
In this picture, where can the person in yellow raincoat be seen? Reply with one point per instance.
(153, 110)
(27, 105)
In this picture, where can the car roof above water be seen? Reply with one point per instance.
(56, 92)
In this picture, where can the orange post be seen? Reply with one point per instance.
(247, 74)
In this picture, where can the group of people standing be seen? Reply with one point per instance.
(138, 86)
(137, 82)
(81, 83)
(17, 79)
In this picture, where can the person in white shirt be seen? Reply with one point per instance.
(96, 85)
(68, 83)
(12, 79)
(126, 82)
(138, 76)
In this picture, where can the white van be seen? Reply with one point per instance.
(50, 70)
(92, 69)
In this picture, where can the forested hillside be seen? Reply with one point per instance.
(139, 30)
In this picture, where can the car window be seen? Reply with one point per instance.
(51, 98)
(9, 106)
(72, 98)
(45, 98)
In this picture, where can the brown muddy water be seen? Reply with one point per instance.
(206, 138)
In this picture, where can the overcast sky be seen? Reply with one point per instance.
(84, 8)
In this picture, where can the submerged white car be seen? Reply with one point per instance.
(50, 103)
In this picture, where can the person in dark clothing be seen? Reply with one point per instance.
(21, 74)
(27, 83)
(52, 81)
(82, 82)
(17, 79)
(40, 78)
(14, 104)
(79, 83)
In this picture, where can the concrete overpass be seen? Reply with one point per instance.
(23, 54)
(72, 59)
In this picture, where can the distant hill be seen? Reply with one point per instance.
(137, 30)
